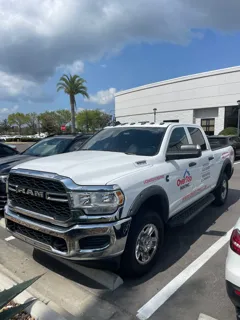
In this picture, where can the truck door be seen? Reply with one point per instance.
(181, 174)
(205, 180)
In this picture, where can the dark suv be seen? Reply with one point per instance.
(46, 147)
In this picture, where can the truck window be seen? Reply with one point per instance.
(197, 137)
(177, 139)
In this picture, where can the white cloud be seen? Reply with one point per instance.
(15, 87)
(9, 110)
(75, 68)
(104, 66)
(103, 96)
(39, 36)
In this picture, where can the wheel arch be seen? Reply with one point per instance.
(227, 168)
(155, 198)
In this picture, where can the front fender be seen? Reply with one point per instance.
(145, 195)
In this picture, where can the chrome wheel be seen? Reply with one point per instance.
(224, 189)
(147, 243)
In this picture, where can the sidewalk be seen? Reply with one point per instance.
(72, 300)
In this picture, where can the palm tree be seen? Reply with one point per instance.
(72, 85)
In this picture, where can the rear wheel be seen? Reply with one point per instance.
(144, 242)
(221, 191)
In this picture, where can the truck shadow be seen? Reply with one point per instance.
(178, 241)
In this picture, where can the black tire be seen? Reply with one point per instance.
(220, 195)
(130, 266)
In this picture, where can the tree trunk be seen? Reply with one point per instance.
(72, 103)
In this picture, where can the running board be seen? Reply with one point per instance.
(190, 212)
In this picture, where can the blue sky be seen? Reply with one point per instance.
(120, 52)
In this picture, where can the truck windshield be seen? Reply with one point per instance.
(138, 141)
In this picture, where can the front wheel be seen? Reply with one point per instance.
(221, 191)
(144, 242)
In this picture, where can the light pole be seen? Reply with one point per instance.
(238, 129)
(155, 113)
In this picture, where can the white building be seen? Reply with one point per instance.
(208, 99)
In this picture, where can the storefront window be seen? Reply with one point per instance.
(208, 126)
(231, 115)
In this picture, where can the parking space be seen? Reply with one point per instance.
(169, 291)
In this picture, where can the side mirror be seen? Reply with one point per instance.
(190, 151)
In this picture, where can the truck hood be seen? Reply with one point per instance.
(88, 167)
(7, 163)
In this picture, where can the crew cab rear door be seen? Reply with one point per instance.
(205, 180)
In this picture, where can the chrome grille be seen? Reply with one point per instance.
(36, 183)
(54, 204)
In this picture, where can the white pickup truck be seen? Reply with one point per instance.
(116, 196)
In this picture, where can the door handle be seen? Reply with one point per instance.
(192, 164)
(210, 158)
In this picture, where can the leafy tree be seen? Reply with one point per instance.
(72, 85)
(49, 122)
(92, 120)
(31, 122)
(4, 126)
(18, 119)
(63, 117)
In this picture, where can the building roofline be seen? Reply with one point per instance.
(180, 79)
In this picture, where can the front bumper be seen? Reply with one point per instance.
(234, 297)
(66, 242)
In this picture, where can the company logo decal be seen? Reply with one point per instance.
(195, 192)
(153, 179)
(225, 155)
(185, 181)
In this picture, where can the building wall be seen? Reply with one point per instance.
(217, 113)
(206, 90)
(185, 116)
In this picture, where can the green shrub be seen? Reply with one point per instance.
(231, 131)
(7, 296)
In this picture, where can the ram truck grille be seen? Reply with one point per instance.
(36, 183)
(28, 198)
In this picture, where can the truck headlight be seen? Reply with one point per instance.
(102, 202)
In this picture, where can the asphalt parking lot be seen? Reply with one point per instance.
(175, 289)
(21, 146)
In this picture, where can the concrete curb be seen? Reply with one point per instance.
(108, 279)
(38, 310)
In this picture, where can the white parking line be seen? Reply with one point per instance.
(237, 162)
(162, 296)
(205, 317)
(9, 238)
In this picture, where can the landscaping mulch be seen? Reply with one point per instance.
(21, 316)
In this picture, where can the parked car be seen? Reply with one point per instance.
(220, 141)
(232, 271)
(116, 196)
(7, 150)
(48, 146)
